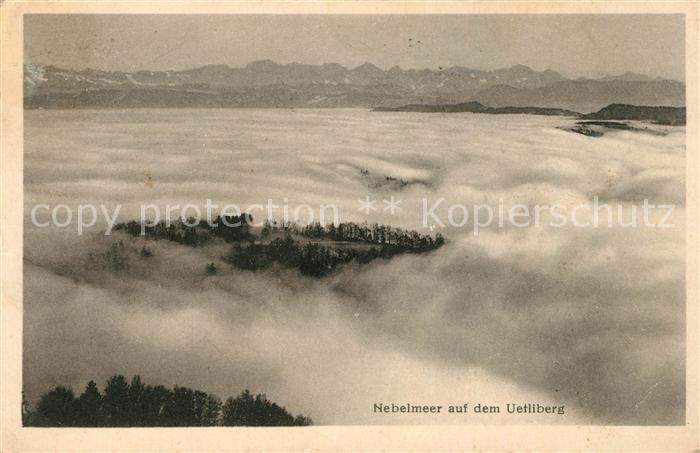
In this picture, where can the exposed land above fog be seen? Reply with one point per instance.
(263, 84)
(672, 116)
(476, 107)
(315, 250)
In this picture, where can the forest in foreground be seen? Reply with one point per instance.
(130, 404)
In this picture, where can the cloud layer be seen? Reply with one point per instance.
(588, 317)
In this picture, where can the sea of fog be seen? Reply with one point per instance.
(592, 318)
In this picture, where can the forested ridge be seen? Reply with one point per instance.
(315, 250)
(134, 403)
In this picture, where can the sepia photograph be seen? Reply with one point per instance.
(311, 220)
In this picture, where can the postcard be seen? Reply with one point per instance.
(349, 226)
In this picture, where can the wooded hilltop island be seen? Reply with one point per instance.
(315, 250)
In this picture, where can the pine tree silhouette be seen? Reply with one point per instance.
(89, 407)
(137, 404)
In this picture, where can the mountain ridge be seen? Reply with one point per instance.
(265, 83)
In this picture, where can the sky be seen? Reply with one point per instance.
(575, 45)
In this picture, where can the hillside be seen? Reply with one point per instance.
(587, 95)
(674, 116)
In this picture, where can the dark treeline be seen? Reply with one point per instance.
(373, 234)
(136, 404)
(310, 258)
(193, 232)
(320, 259)
(238, 228)
(314, 249)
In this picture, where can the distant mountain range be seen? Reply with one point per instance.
(268, 84)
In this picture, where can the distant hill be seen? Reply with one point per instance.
(470, 107)
(268, 84)
(476, 107)
(674, 116)
(586, 95)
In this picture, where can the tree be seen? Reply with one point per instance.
(207, 409)
(154, 401)
(439, 240)
(137, 413)
(180, 409)
(249, 410)
(89, 407)
(116, 401)
(56, 408)
(284, 251)
(300, 420)
(136, 404)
